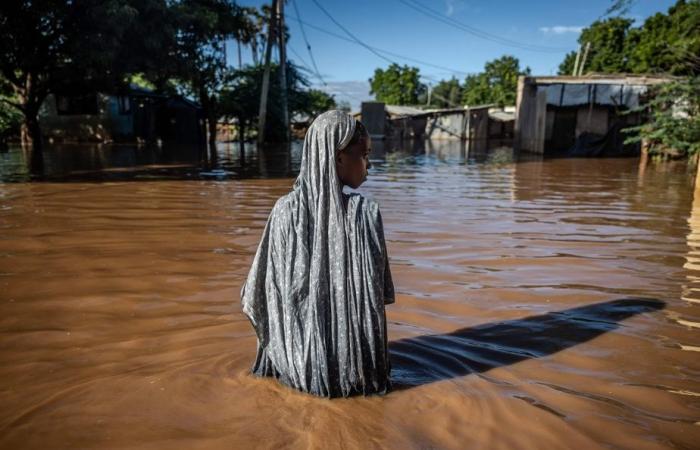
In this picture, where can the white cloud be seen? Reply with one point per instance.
(450, 7)
(353, 91)
(454, 6)
(561, 29)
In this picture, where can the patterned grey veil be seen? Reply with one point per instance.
(320, 279)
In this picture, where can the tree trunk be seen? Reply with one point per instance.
(30, 130)
(211, 122)
(30, 96)
(254, 51)
(241, 141)
(209, 112)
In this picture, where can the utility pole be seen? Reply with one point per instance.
(585, 56)
(578, 56)
(283, 68)
(266, 75)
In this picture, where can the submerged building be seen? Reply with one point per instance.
(480, 126)
(579, 116)
(134, 115)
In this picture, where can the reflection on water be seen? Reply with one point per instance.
(540, 303)
(130, 162)
(83, 162)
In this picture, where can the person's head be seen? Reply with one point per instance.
(352, 161)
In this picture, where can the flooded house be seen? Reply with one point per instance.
(481, 126)
(579, 115)
(134, 115)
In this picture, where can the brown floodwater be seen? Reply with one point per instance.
(540, 303)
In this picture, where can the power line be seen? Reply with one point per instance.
(397, 55)
(308, 46)
(303, 62)
(436, 15)
(306, 67)
(357, 40)
(352, 36)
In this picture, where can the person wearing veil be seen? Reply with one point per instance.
(320, 278)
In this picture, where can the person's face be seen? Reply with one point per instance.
(352, 163)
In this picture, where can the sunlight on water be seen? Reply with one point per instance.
(541, 303)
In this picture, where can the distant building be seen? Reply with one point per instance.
(135, 115)
(579, 116)
(481, 126)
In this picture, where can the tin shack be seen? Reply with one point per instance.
(579, 115)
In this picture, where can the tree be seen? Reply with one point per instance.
(397, 85)
(241, 97)
(54, 46)
(446, 94)
(496, 84)
(663, 44)
(674, 109)
(344, 105)
(607, 39)
(314, 102)
(249, 33)
(674, 118)
(202, 28)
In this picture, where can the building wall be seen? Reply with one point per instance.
(374, 119)
(451, 126)
(591, 120)
(107, 125)
(530, 117)
(478, 133)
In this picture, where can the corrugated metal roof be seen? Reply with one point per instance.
(405, 111)
(502, 116)
(626, 79)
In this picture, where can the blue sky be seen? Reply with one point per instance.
(546, 29)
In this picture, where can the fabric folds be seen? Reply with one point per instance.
(320, 279)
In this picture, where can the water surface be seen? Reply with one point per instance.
(541, 304)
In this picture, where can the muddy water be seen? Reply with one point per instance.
(541, 304)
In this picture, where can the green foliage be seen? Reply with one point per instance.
(10, 119)
(202, 27)
(496, 84)
(397, 85)
(674, 118)
(607, 40)
(446, 94)
(344, 105)
(313, 102)
(665, 43)
(58, 45)
(55, 46)
(241, 98)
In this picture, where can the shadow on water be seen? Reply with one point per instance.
(427, 359)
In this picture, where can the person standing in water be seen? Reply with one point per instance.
(320, 278)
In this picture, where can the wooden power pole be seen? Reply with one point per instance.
(283, 68)
(585, 57)
(266, 75)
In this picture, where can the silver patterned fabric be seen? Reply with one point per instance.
(320, 278)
